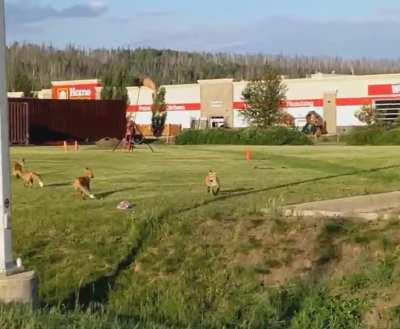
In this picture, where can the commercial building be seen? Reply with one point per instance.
(219, 102)
(335, 97)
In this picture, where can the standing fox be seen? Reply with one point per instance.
(82, 184)
(18, 167)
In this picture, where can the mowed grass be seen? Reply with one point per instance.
(70, 242)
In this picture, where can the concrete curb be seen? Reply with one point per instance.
(19, 288)
(372, 207)
(368, 216)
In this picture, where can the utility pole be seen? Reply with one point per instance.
(7, 264)
(16, 286)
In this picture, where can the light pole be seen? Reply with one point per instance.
(7, 264)
(16, 286)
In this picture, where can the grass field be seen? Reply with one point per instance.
(186, 259)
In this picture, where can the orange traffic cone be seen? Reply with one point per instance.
(76, 146)
(248, 155)
(65, 146)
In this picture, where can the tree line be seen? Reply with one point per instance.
(33, 67)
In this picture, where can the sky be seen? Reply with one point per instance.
(345, 28)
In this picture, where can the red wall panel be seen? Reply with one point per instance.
(82, 120)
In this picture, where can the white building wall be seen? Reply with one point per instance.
(142, 118)
(238, 119)
(175, 94)
(45, 94)
(348, 86)
(183, 118)
(140, 96)
(346, 116)
(238, 88)
(182, 94)
(315, 88)
(15, 94)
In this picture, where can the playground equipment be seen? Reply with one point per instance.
(315, 125)
(138, 138)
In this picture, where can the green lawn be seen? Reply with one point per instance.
(169, 258)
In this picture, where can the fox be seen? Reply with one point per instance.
(29, 178)
(82, 184)
(18, 167)
(212, 183)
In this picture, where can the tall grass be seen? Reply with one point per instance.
(15, 317)
(295, 306)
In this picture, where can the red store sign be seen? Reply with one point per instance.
(386, 89)
(75, 92)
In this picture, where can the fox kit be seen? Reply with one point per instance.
(29, 178)
(82, 184)
(212, 183)
(18, 167)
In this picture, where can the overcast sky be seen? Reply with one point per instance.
(347, 28)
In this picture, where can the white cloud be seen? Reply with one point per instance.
(29, 11)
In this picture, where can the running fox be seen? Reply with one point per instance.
(29, 178)
(212, 183)
(82, 184)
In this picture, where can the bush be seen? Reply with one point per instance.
(373, 135)
(247, 136)
(390, 137)
(367, 135)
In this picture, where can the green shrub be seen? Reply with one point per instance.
(373, 135)
(390, 137)
(246, 136)
(367, 135)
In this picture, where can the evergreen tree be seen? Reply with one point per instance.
(23, 83)
(107, 91)
(115, 88)
(43, 64)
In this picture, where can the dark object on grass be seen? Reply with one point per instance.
(138, 140)
(107, 143)
(124, 205)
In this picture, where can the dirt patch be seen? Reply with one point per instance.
(279, 251)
